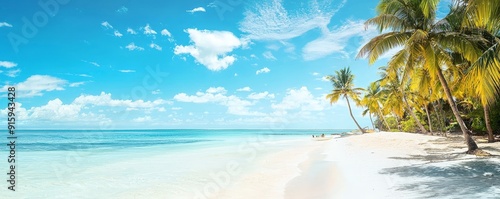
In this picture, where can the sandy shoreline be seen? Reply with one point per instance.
(403, 165)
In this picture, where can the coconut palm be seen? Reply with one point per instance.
(411, 24)
(372, 100)
(483, 17)
(343, 87)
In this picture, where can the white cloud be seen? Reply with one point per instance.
(13, 73)
(118, 34)
(217, 90)
(149, 31)
(269, 55)
(165, 32)
(156, 92)
(259, 96)
(176, 108)
(155, 46)
(269, 20)
(142, 119)
(335, 41)
(300, 99)
(253, 56)
(5, 24)
(198, 9)
(236, 74)
(127, 71)
(131, 31)
(210, 48)
(36, 85)
(7, 64)
(264, 70)
(234, 104)
(107, 25)
(315, 74)
(56, 110)
(76, 84)
(323, 79)
(244, 89)
(105, 99)
(132, 47)
(84, 75)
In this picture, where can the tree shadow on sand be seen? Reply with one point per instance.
(450, 180)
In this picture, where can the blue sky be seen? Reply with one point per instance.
(189, 64)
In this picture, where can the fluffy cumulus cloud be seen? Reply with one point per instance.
(105, 99)
(7, 64)
(118, 34)
(36, 85)
(80, 109)
(217, 95)
(57, 110)
(198, 9)
(300, 99)
(263, 70)
(211, 48)
(148, 30)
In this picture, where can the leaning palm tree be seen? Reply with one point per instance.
(343, 85)
(411, 24)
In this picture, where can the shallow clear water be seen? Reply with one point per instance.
(67, 140)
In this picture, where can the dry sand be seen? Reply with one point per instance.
(403, 165)
(375, 165)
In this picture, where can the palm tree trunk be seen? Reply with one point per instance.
(488, 123)
(471, 144)
(438, 117)
(443, 118)
(350, 112)
(371, 120)
(422, 128)
(383, 119)
(428, 118)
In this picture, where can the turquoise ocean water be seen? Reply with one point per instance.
(67, 140)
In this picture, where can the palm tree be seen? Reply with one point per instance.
(397, 93)
(372, 101)
(343, 85)
(483, 17)
(411, 24)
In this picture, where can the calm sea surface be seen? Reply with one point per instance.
(68, 140)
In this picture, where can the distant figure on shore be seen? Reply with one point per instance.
(322, 135)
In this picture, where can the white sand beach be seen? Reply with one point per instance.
(374, 165)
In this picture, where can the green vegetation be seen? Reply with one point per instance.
(446, 73)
